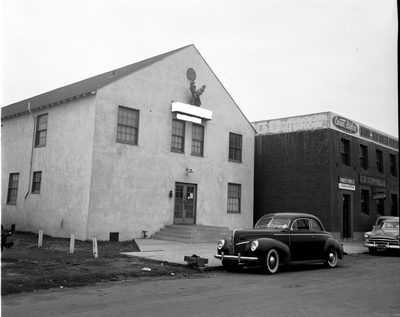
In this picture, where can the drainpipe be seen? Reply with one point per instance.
(33, 145)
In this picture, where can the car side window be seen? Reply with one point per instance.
(301, 224)
(315, 226)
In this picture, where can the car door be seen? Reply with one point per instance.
(301, 240)
(318, 237)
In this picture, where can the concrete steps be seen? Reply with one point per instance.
(192, 233)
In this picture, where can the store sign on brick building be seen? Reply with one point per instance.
(372, 181)
(347, 183)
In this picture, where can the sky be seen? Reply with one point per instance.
(276, 58)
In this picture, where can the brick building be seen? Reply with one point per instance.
(342, 171)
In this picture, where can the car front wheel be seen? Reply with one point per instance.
(271, 262)
(372, 250)
(332, 258)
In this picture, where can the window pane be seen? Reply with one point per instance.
(127, 129)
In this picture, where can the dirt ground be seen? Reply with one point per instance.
(26, 268)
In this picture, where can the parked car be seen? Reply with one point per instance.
(378, 222)
(280, 238)
(385, 238)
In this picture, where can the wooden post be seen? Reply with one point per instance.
(95, 253)
(40, 242)
(72, 244)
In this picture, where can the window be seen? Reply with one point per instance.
(393, 169)
(178, 136)
(345, 152)
(197, 140)
(41, 130)
(379, 161)
(128, 126)
(235, 147)
(315, 225)
(234, 198)
(364, 157)
(37, 180)
(393, 205)
(13, 189)
(365, 201)
(380, 207)
(301, 224)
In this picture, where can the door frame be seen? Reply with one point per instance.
(194, 203)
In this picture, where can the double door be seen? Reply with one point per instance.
(185, 204)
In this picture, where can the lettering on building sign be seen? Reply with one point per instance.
(380, 196)
(372, 181)
(379, 138)
(346, 180)
(347, 186)
(345, 125)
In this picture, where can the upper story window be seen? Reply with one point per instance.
(379, 161)
(364, 157)
(345, 152)
(178, 136)
(36, 183)
(13, 188)
(235, 147)
(197, 140)
(128, 126)
(41, 130)
(234, 196)
(393, 165)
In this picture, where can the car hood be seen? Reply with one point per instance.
(385, 232)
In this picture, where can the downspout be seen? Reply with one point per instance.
(33, 146)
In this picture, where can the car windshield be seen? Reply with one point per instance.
(390, 225)
(272, 222)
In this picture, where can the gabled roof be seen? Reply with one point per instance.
(80, 88)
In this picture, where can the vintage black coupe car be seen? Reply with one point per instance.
(384, 238)
(281, 238)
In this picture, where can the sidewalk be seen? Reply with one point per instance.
(174, 252)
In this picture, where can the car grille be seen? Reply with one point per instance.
(384, 240)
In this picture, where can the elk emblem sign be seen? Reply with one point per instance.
(195, 97)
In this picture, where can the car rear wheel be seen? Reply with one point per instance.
(271, 262)
(332, 257)
(229, 266)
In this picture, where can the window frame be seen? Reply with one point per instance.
(12, 187)
(122, 125)
(36, 182)
(364, 201)
(393, 165)
(379, 161)
(176, 136)
(234, 200)
(41, 130)
(345, 152)
(235, 152)
(198, 143)
(364, 157)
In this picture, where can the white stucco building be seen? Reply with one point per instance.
(126, 151)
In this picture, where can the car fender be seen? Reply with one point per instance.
(335, 244)
(266, 244)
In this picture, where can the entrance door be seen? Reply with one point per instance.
(346, 216)
(185, 204)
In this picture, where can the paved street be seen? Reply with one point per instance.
(362, 285)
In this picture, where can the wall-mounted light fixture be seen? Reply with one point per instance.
(170, 194)
(188, 171)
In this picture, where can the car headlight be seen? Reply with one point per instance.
(366, 235)
(221, 244)
(254, 245)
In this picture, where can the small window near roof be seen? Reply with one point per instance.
(41, 130)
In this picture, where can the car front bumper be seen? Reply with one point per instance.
(237, 258)
(381, 246)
